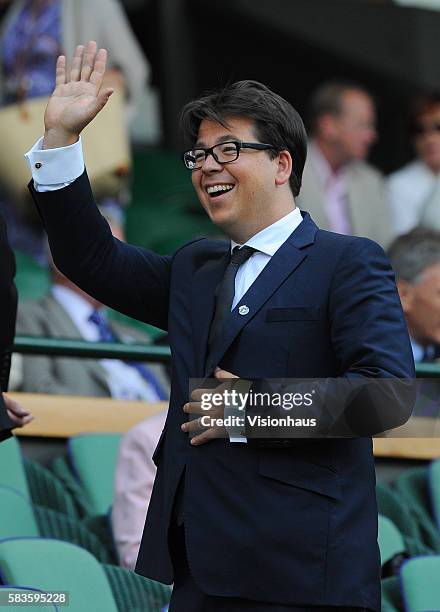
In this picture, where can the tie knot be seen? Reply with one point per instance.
(241, 254)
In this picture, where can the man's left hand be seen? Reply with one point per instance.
(19, 415)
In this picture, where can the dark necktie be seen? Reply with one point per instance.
(225, 293)
(106, 335)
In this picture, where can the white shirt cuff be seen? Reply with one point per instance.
(55, 168)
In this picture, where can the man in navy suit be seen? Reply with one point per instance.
(241, 523)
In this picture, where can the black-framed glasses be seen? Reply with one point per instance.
(223, 153)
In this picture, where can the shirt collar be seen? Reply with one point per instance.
(269, 239)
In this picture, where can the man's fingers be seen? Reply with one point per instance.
(193, 408)
(99, 68)
(20, 421)
(89, 60)
(198, 394)
(192, 426)
(60, 73)
(206, 436)
(14, 407)
(75, 70)
(223, 374)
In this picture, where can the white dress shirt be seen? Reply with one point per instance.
(266, 242)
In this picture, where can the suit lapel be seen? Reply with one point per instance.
(204, 285)
(283, 263)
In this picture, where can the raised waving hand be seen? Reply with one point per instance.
(78, 96)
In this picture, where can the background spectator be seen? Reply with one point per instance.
(68, 312)
(415, 257)
(340, 189)
(414, 190)
(134, 478)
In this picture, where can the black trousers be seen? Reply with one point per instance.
(187, 596)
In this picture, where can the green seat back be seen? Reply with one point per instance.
(52, 565)
(390, 539)
(12, 473)
(93, 458)
(412, 485)
(391, 504)
(5, 591)
(32, 279)
(421, 584)
(434, 488)
(16, 515)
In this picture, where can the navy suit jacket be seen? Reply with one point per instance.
(8, 302)
(297, 524)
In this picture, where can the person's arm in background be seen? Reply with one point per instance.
(134, 478)
(11, 413)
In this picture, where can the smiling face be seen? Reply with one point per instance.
(244, 196)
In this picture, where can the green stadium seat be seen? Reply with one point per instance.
(18, 518)
(391, 504)
(32, 279)
(60, 566)
(133, 592)
(390, 540)
(421, 584)
(93, 459)
(32, 480)
(412, 485)
(15, 475)
(434, 489)
(52, 565)
(16, 515)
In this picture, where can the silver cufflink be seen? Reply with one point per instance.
(243, 310)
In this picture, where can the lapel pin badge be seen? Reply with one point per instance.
(243, 310)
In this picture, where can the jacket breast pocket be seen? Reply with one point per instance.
(297, 313)
(293, 471)
(155, 457)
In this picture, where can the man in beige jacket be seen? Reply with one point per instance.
(340, 190)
